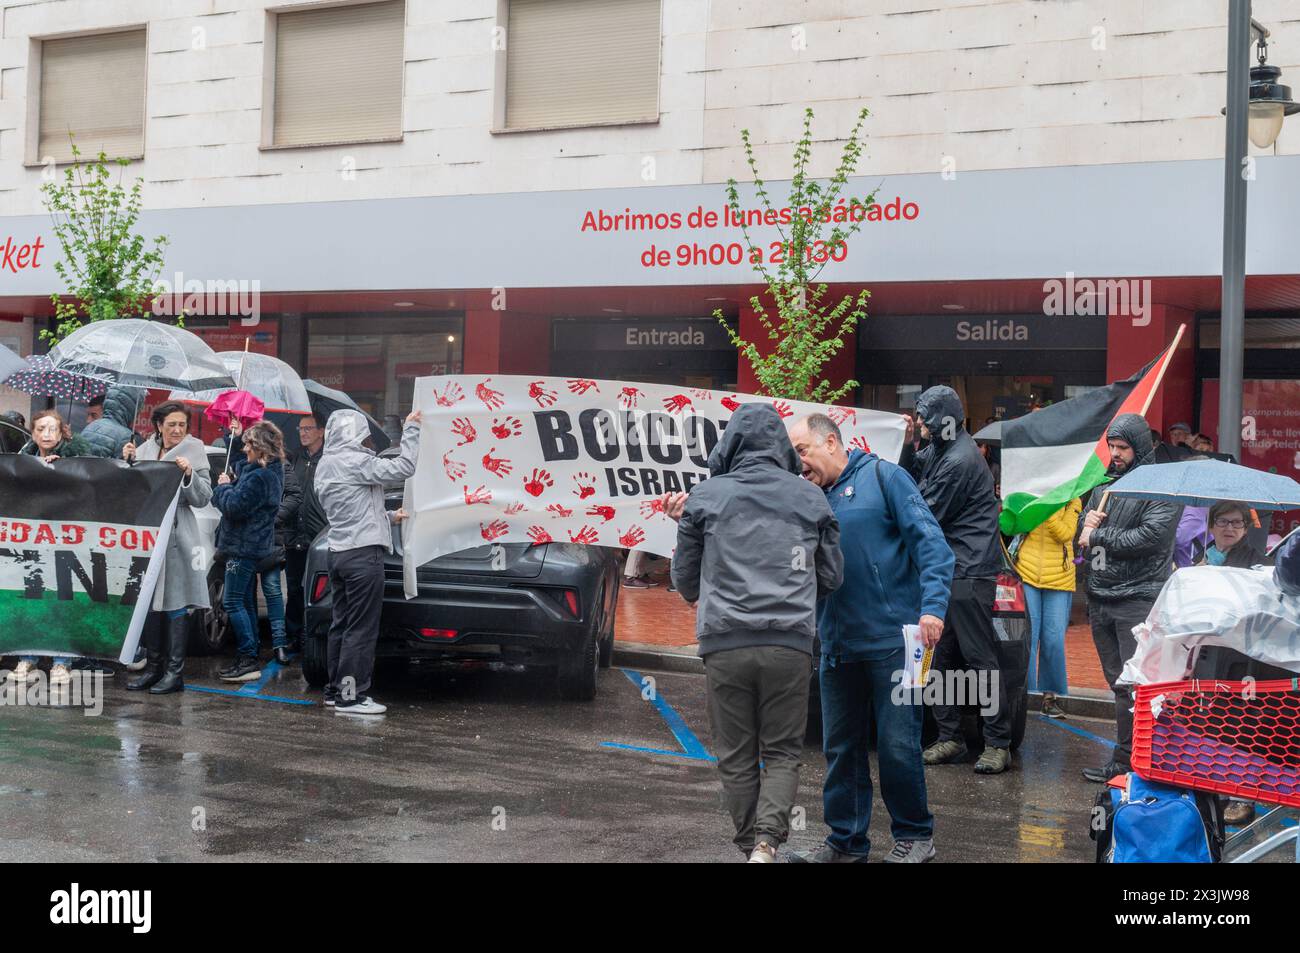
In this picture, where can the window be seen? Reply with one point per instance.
(336, 74)
(581, 63)
(91, 87)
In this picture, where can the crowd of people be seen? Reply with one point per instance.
(273, 504)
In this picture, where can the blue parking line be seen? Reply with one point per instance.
(692, 748)
(241, 694)
(1078, 731)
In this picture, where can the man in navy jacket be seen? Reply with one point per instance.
(897, 571)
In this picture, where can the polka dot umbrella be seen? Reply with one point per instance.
(41, 378)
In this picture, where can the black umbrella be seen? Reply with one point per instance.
(326, 400)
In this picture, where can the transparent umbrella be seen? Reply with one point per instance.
(136, 353)
(268, 378)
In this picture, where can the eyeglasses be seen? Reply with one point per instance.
(1229, 524)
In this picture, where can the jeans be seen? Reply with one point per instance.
(271, 591)
(758, 712)
(240, 574)
(852, 692)
(1049, 617)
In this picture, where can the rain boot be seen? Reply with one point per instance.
(153, 665)
(175, 636)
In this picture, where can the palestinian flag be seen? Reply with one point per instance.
(81, 545)
(1056, 454)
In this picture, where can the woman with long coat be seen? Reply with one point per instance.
(183, 584)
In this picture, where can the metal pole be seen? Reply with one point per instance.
(1232, 324)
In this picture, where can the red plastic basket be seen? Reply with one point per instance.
(1237, 738)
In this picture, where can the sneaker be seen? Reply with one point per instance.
(945, 752)
(245, 669)
(911, 852)
(638, 582)
(366, 706)
(59, 675)
(1239, 813)
(1103, 774)
(826, 854)
(993, 760)
(763, 853)
(24, 672)
(1051, 707)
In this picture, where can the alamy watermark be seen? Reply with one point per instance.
(84, 690)
(1090, 297)
(234, 297)
(955, 687)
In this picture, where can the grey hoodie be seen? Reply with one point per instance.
(757, 544)
(350, 481)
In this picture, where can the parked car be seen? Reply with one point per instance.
(548, 606)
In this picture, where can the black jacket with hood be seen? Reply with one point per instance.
(956, 483)
(1131, 553)
(757, 545)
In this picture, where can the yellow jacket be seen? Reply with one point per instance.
(1046, 557)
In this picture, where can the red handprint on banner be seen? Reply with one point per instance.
(506, 427)
(494, 530)
(540, 394)
(677, 403)
(783, 408)
(581, 385)
(451, 394)
(586, 485)
(699, 393)
(480, 495)
(555, 509)
(628, 397)
(454, 468)
(497, 465)
(492, 399)
(604, 512)
(633, 537)
(462, 428)
(654, 507)
(587, 536)
(840, 414)
(539, 535)
(730, 403)
(538, 483)
(515, 507)
(860, 443)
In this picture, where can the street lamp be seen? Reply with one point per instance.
(1257, 104)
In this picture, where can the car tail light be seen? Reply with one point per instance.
(571, 600)
(318, 586)
(437, 633)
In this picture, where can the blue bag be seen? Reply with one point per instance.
(1157, 823)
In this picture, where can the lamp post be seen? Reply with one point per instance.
(1257, 104)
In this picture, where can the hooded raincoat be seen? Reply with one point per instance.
(350, 481)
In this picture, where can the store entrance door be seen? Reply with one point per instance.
(689, 353)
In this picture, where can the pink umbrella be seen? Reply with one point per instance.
(239, 404)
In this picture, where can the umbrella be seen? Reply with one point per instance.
(239, 404)
(41, 378)
(326, 400)
(991, 434)
(10, 363)
(1206, 482)
(147, 354)
(268, 378)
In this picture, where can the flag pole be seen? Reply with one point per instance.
(1155, 388)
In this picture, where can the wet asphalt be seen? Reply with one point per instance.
(470, 766)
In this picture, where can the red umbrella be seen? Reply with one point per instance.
(239, 404)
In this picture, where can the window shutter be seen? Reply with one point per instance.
(582, 62)
(93, 87)
(338, 74)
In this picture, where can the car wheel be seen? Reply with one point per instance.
(315, 662)
(578, 673)
(607, 636)
(210, 630)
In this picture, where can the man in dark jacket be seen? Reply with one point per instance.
(956, 482)
(897, 572)
(304, 520)
(1287, 570)
(756, 547)
(1129, 549)
(111, 432)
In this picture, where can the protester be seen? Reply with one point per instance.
(1129, 548)
(1045, 563)
(956, 483)
(183, 584)
(634, 574)
(756, 548)
(1162, 452)
(1228, 524)
(50, 440)
(1192, 537)
(350, 486)
(95, 411)
(111, 431)
(248, 506)
(897, 572)
(1286, 572)
(1179, 434)
(303, 521)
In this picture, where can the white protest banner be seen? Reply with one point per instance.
(559, 459)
